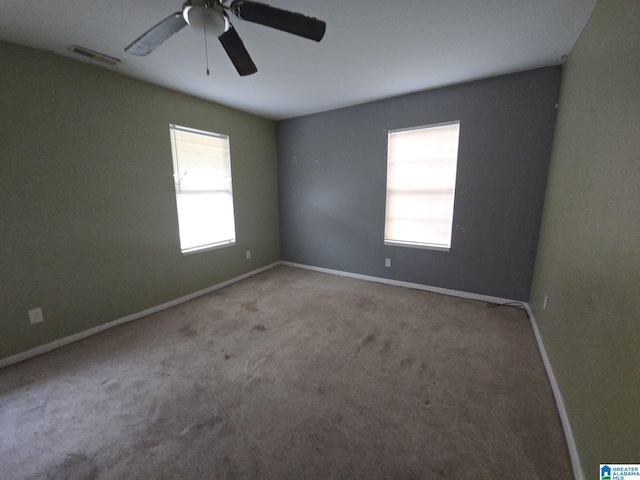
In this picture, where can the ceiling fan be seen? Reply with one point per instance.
(212, 17)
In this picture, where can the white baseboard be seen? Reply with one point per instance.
(19, 357)
(557, 394)
(398, 283)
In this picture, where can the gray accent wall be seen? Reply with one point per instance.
(332, 181)
(88, 223)
(588, 263)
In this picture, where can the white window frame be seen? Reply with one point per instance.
(450, 183)
(207, 190)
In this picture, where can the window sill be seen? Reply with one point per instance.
(207, 248)
(424, 246)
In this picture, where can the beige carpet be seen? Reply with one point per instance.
(290, 374)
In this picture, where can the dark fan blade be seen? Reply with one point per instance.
(153, 38)
(290, 22)
(234, 47)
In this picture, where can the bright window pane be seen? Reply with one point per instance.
(204, 198)
(421, 180)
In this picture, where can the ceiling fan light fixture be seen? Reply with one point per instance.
(199, 16)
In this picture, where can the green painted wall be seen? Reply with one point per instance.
(87, 217)
(588, 260)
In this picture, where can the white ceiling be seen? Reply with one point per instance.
(372, 49)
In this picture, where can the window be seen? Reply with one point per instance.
(202, 177)
(421, 180)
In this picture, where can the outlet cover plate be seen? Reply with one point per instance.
(35, 316)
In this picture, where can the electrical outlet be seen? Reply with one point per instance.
(545, 302)
(35, 316)
(248, 254)
(387, 262)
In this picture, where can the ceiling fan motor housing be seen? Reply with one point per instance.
(205, 16)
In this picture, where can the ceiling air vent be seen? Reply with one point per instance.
(96, 56)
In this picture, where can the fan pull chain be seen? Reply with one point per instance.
(206, 48)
